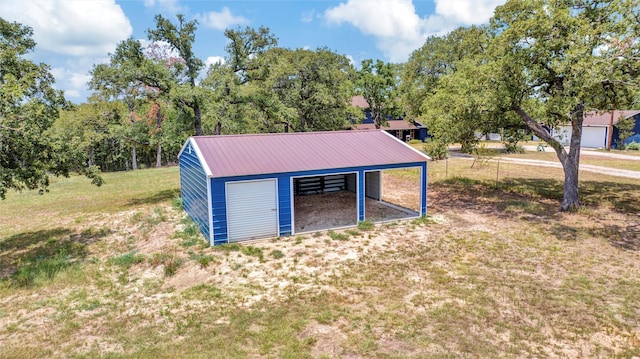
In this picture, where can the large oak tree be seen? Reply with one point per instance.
(29, 105)
(555, 60)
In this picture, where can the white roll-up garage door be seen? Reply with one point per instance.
(593, 137)
(252, 209)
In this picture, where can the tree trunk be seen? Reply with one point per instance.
(570, 161)
(198, 118)
(218, 130)
(134, 159)
(159, 156)
(90, 162)
(570, 198)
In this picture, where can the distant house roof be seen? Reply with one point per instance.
(604, 118)
(391, 125)
(359, 101)
(241, 155)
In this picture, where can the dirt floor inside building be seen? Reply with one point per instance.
(338, 209)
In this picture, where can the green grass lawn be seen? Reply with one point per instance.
(494, 271)
(72, 199)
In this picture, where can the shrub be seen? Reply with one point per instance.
(46, 268)
(436, 150)
(414, 141)
(510, 147)
(338, 236)
(254, 252)
(633, 146)
(176, 202)
(127, 260)
(277, 254)
(366, 225)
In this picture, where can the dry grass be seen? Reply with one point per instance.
(493, 272)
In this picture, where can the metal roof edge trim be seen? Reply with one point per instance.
(284, 133)
(205, 165)
(404, 144)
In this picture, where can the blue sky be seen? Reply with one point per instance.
(73, 35)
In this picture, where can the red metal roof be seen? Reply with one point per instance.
(604, 118)
(240, 155)
(392, 125)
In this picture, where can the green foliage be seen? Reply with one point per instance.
(366, 225)
(41, 269)
(127, 260)
(176, 203)
(633, 146)
(170, 262)
(277, 254)
(338, 236)
(253, 251)
(29, 105)
(203, 259)
(377, 82)
(625, 128)
(551, 62)
(185, 91)
(435, 149)
(305, 90)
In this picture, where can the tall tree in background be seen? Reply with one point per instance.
(438, 57)
(313, 89)
(441, 87)
(187, 94)
(234, 102)
(28, 107)
(555, 60)
(120, 80)
(377, 82)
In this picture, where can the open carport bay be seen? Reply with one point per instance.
(336, 207)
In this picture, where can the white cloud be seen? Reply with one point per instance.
(221, 20)
(71, 27)
(398, 28)
(308, 16)
(212, 60)
(171, 6)
(351, 60)
(73, 82)
(467, 12)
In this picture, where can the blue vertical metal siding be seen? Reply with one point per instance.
(284, 204)
(219, 205)
(423, 189)
(193, 188)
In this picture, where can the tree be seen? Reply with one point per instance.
(235, 104)
(444, 84)
(377, 83)
(187, 94)
(312, 89)
(29, 105)
(118, 80)
(437, 58)
(555, 60)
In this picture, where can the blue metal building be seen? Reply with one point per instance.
(241, 187)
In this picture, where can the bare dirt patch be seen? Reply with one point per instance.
(338, 209)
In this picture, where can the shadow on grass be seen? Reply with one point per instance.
(538, 200)
(162, 196)
(30, 247)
